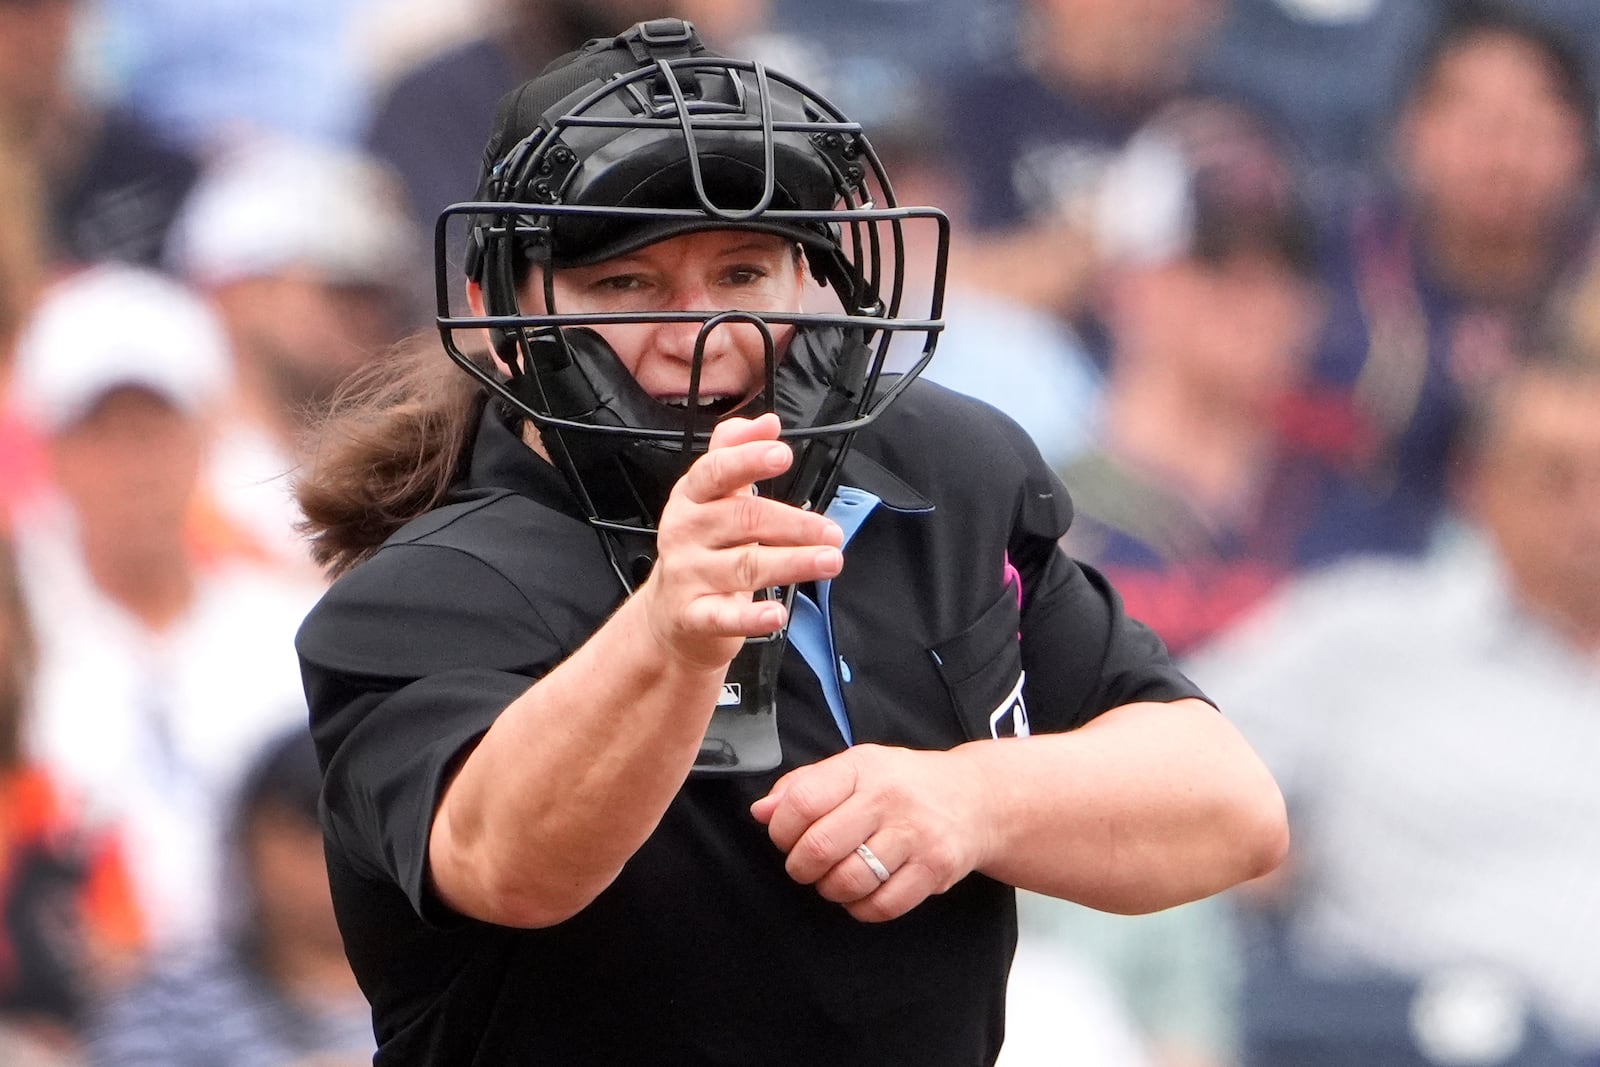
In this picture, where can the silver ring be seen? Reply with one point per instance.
(874, 864)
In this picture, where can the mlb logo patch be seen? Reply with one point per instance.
(732, 695)
(1010, 719)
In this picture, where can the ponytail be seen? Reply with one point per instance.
(392, 443)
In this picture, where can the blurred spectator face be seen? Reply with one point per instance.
(1489, 145)
(130, 467)
(34, 38)
(1123, 48)
(307, 333)
(1537, 489)
(1237, 331)
(290, 880)
(1209, 258)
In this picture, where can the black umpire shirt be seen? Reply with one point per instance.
(704, 951)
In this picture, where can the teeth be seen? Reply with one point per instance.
(705, 401)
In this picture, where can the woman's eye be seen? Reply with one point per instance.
(746, 275)
(620, 283)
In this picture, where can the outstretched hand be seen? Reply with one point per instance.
(719, 542)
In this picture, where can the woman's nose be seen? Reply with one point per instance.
(679, 340)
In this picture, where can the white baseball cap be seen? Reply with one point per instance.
(112, 326)
(274, 205)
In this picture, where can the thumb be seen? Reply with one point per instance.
(763, 809)
(736, 431)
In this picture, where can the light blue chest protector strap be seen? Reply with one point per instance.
(810, 625)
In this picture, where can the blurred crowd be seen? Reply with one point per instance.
(1300, 297)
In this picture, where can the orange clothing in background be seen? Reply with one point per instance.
(67, 906)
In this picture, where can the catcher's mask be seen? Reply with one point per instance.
(642, 137)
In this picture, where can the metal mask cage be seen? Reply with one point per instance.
(856, 246)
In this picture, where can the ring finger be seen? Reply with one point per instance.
(863, 872)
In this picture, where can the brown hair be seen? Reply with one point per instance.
(18, 655)
(394, 439)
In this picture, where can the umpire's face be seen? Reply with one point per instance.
(712, 270)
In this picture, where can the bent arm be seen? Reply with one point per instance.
(1147, 806)
(570, 780)
(577, 771)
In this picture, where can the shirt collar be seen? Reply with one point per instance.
(864, 472)
(501, 459)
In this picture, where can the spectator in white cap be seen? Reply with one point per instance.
(156, 338)
(118, 370)
(163, 660)
(304, 252)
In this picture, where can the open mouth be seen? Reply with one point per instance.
(712, 406)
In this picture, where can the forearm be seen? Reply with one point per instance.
(1148, 806)
(571, 779)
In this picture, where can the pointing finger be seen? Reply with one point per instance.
(728, 469)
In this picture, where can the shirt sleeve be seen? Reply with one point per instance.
(1082, 653)
(407, 661)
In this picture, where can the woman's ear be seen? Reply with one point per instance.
(802, 274)
(476, 305)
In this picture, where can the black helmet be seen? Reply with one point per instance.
(648, 135)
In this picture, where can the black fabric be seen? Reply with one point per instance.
(542, 150)
(703, 951)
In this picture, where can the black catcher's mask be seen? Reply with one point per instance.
(645, 136)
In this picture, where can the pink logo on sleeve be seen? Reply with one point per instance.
(1010, 575)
